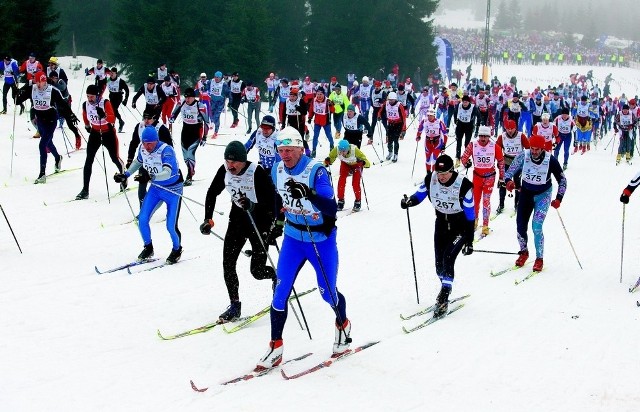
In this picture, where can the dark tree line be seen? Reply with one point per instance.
(29, 26)
(294, 38)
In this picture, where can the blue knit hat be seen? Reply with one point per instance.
(149, 134)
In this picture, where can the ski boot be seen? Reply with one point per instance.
(442, 303)
(342, 339)
(232, 313)
(340, 204)
(174, 256)
(272, 358)
(524, 255)
(84, 194)
(147, 251)
(537, 265)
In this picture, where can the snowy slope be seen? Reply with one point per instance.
(565, 340)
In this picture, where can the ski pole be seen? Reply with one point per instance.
(126, 196)
(264, 247)
(13, 138)
(364, 189)
(373, 146)
(413, 259)
(11, 229)
(380, 134)
(415, 156)
(106, 181)
(65, 142)
(334, 302)
(622, 247)
(495, 251)
(182, 196)
(569, 239)
(82, 88)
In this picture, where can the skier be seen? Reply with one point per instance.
(64, 91)
(296, 111)
(194, 129)
(98, 119)
(624, 122)
(352, 160)
(53, 66)
(451, 195)
(265, 139)
(219, 91)
(319, 114)
(45, 99)
(271, 83)
(547, 130)
(435, 138)
(154, 96)
(564, 123)
(170, 90)
(354, 126)
(202, 92)
(282, 94)
(116, 86)
(160, 162)
(164, 136)
(513, 142)
(485, 154)
(396, 117)
(100, 72)
(251, 193)
(309, 235)
(9, 69)
(251, 96)
(338, 102)
(364, 97)
(378, 97)
(583, 126)
(465, 116)
(536, 166)
(30, 67)
(236, 87)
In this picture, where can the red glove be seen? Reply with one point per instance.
(418, 137)
(511, 185)
(555, 203)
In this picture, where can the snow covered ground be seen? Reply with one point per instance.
(72, 340)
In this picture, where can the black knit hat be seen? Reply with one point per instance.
(444, 163)
(236, 152)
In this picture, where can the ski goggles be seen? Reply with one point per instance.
(293, 142)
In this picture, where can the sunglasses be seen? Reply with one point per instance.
(443, 173)
(287, 142)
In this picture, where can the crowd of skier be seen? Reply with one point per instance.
(508, 137)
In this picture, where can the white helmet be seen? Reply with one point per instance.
(484, 131)
(392, 96)
(355, 83)
(431, 111)
(365, 79)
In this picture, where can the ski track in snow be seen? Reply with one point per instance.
(73, 340)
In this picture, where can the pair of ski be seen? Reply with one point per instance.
(239, 323)
(430, 309)
(514, 268)
(128, 266)
(257, 372)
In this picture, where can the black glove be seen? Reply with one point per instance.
(133, 105)
(298, 190)
(407, 202)
(243, 100)
(129, 161)
(21, 108)
(101, 113)
(124, 102)
(205, 228)
(624, 198)
(502, 184)
(87, 128)
(246, 204)
(467, 249)
(120, 177)
(203, 141)
(468, 164)
(74, 119)
(276, 232)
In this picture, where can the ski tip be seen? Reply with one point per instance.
(195, 388)
(160, 335)
(97, 270)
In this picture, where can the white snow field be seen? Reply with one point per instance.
(73, 340)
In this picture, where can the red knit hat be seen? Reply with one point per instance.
(537, 141)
